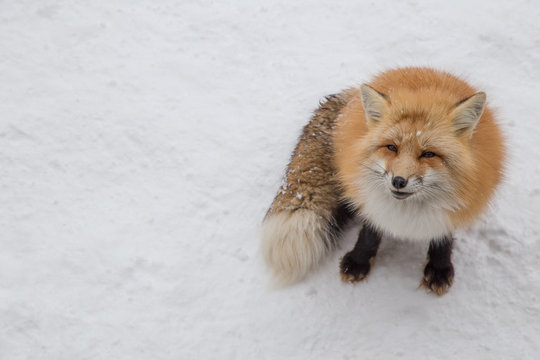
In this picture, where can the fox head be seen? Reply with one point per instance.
(418, 144)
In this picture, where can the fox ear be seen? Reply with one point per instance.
(374, 103)
(467, 113)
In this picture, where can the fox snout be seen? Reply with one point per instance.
(398, 182)
(401, 187)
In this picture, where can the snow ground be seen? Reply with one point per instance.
(141, 143)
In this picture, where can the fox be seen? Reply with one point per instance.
(415, 154)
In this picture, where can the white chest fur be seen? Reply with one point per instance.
(406, 219)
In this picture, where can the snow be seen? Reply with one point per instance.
(142, 142)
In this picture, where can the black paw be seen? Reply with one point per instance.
(438, 279)
(353, 271)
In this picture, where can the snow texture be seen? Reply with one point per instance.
(141, 143)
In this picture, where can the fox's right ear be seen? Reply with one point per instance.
(374, 103)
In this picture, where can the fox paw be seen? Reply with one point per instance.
(438, 279)
(353, 271)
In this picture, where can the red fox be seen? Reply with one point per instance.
(415, 154)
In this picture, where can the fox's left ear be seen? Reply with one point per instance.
(467, 113)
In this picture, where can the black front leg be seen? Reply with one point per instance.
(439, 271)
(356, 264)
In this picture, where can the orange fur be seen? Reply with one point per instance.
(419, 118)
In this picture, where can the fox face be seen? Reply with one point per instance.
(415, 159)
(410, 164)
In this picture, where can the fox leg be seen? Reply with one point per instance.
(307, 214)
(439, 271)
(356, 264)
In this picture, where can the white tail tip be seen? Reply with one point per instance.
(293, 242)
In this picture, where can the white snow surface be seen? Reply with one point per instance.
(141, 143)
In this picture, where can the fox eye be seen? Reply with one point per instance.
(428, 154)
(392, 148)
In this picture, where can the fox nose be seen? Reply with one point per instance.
(399, 182)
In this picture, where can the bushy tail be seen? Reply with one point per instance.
(293, 242)
(306, 215)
